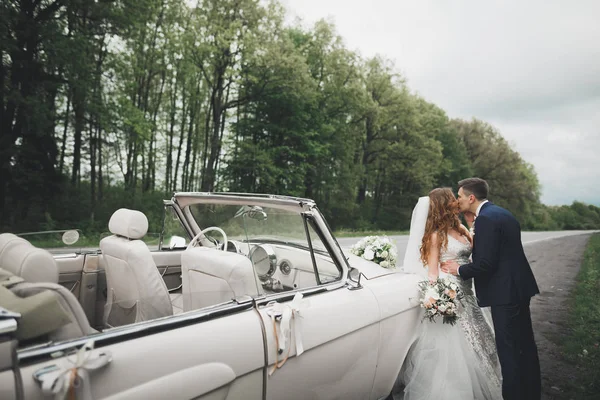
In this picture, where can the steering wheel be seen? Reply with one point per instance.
(202, 232)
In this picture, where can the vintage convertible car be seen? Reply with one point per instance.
(244, 297)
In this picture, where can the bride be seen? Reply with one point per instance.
(448, 361)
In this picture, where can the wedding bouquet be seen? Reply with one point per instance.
(379, 250)
(439, 299)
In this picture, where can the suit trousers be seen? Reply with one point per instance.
(517, 352)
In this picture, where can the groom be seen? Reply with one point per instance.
(504, 281)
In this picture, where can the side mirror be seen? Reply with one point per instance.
(176, 241)
(354, 276)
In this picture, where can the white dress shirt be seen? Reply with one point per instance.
(479, 207)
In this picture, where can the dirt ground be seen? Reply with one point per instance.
(555, 264)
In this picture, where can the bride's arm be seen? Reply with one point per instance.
(433, 260)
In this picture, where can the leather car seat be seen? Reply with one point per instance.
(211, 276)
(135, 289)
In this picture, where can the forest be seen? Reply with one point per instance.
(119, 103)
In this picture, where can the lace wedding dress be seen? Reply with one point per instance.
(454, 361)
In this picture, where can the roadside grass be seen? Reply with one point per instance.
(53, 239)
(581, 347)
(88, 240)
(348, 233)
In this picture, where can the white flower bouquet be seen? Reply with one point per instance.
(440, 299)
(380, 250)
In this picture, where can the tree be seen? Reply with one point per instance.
(513, 183)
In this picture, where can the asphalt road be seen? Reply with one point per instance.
(528, 238)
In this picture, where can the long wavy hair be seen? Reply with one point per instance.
(443, 216)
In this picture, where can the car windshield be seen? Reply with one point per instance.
(254, 224)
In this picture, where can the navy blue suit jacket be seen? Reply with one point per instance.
(500, 269)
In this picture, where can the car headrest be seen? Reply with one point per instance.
(8, 238)
(131, 224)
(30, 263)
(215, 262)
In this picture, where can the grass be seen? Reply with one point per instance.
(53, 240)
(347, 233)
(582, 346)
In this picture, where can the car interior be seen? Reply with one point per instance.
(125, 282)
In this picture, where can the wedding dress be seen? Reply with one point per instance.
(454, 361)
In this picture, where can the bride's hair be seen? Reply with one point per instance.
(443, 216)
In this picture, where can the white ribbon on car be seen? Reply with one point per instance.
(289, 320)
(72, 380)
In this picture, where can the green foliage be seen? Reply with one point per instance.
(118, 104)
(581, 346)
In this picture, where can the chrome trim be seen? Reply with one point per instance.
(74, 286)
(60, 256)
(285, 270)
(4, 313)
(124, 333)
(240, 195)
(268, 249)
(306, 292)
(37, 375)
(335, 249)
(182, 221)
(8, 321)
(43, 232)
(244, 299)
(184, 200)
(265, 351)
(174, 289)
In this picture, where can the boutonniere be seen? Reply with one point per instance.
(472, 228)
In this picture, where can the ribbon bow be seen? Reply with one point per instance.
(71, 379)
(290, 323)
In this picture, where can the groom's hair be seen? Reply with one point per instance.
(477, 186)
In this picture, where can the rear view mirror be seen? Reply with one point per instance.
(176, 241)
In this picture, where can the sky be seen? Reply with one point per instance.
(529, 68)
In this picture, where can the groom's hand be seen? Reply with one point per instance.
(450, 267)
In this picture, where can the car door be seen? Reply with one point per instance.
(336, 325)
(215, 353)
(340, 337)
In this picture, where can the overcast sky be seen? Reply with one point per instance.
(530, 68)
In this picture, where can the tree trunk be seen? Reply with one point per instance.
(149, 181)
(79, 109)
(100, 175)
(186, 163)
(64, 136)
(206, 142)
(362, 189)
(208, 180)
(93, 140)
(169, 169)
(220, 144)
(181, 138)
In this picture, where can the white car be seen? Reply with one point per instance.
(243, 297)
